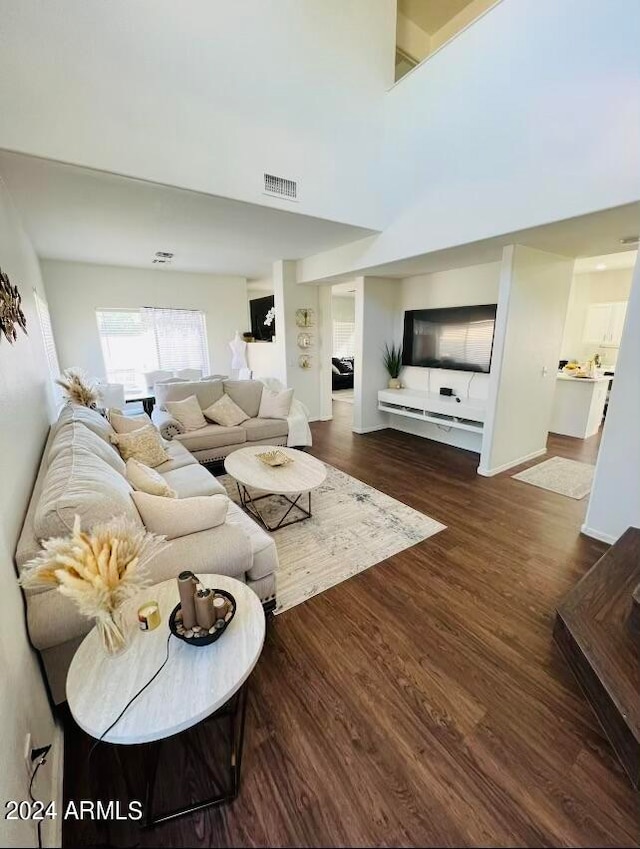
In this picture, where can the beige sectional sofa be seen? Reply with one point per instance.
(214, 442)
(82, 473)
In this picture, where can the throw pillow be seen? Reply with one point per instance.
(179, 517)
(144, 444)
(126, 424)
(147, 480)
(225, 412)
(187, 412)
(275, 405)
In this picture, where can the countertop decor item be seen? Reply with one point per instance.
(11, 314)
(200, 636)
(274, 458)
(79, 388)
(99, 571)
(392, 359)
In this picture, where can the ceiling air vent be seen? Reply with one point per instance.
(280, 187)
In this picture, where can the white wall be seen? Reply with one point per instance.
(595, 287)
(376, 319)
(411, 38)
(614, 504)
(25, 413)
(76, 290)
(217, 93)
(265, 360)
(532, 305)
(497, 132)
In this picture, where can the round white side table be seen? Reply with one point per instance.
(197, 683)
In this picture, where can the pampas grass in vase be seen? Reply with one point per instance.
(99, 571)
(79, 387)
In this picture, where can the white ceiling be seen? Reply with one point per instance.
(586, 236)
(606, 262)
(83, 215)
(431, 15)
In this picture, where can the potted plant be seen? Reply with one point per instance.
(392, 359)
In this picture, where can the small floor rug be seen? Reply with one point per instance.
(566, 477)
(343, 395)
(353, 527)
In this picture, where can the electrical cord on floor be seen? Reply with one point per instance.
(131, 701)
(41, 761)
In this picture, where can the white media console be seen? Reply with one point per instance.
(468, 414)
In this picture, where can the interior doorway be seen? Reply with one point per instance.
(343, 336)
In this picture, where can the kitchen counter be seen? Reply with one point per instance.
(587, 380)
(578, 405)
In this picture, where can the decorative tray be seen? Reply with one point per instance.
(274, 458)
(202, 638)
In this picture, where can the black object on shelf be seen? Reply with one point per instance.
(446, 390)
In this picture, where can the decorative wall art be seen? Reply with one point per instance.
(304, 317)
(11, 314)
(304, 340)
(304, 361)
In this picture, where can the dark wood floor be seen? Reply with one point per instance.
(423, 702)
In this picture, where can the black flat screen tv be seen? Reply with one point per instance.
(458, 338)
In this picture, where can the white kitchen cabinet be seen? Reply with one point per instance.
(604, 324)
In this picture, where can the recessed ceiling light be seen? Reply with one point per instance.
(600, 266)
(164, 254)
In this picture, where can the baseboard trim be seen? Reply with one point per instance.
(599, 535)
(489, 473)
(52, 828)
(369, 429)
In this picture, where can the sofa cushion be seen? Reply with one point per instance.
(206, 391)
(258, 429)
(211, 436)
(179, 457)
(79, 482)
(90, 418)
(125, 424)
(246, 394)
(148, 480)
(188, 412)
(193, 480)
(179, 517)
(76, 435)
(275, 405)
(225, 412)
(144, 444)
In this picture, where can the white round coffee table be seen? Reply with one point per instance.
(289, 482)
(195, 683)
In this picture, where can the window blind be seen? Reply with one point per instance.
(147, 339)
(44, 320)
(344, 338)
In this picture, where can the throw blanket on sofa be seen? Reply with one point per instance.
(298, 418)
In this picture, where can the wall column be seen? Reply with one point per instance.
(289, 297)
(376, 310)
(614, 504)
(532, 307)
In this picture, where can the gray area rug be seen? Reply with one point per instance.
(566, 477)
(352, 528)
